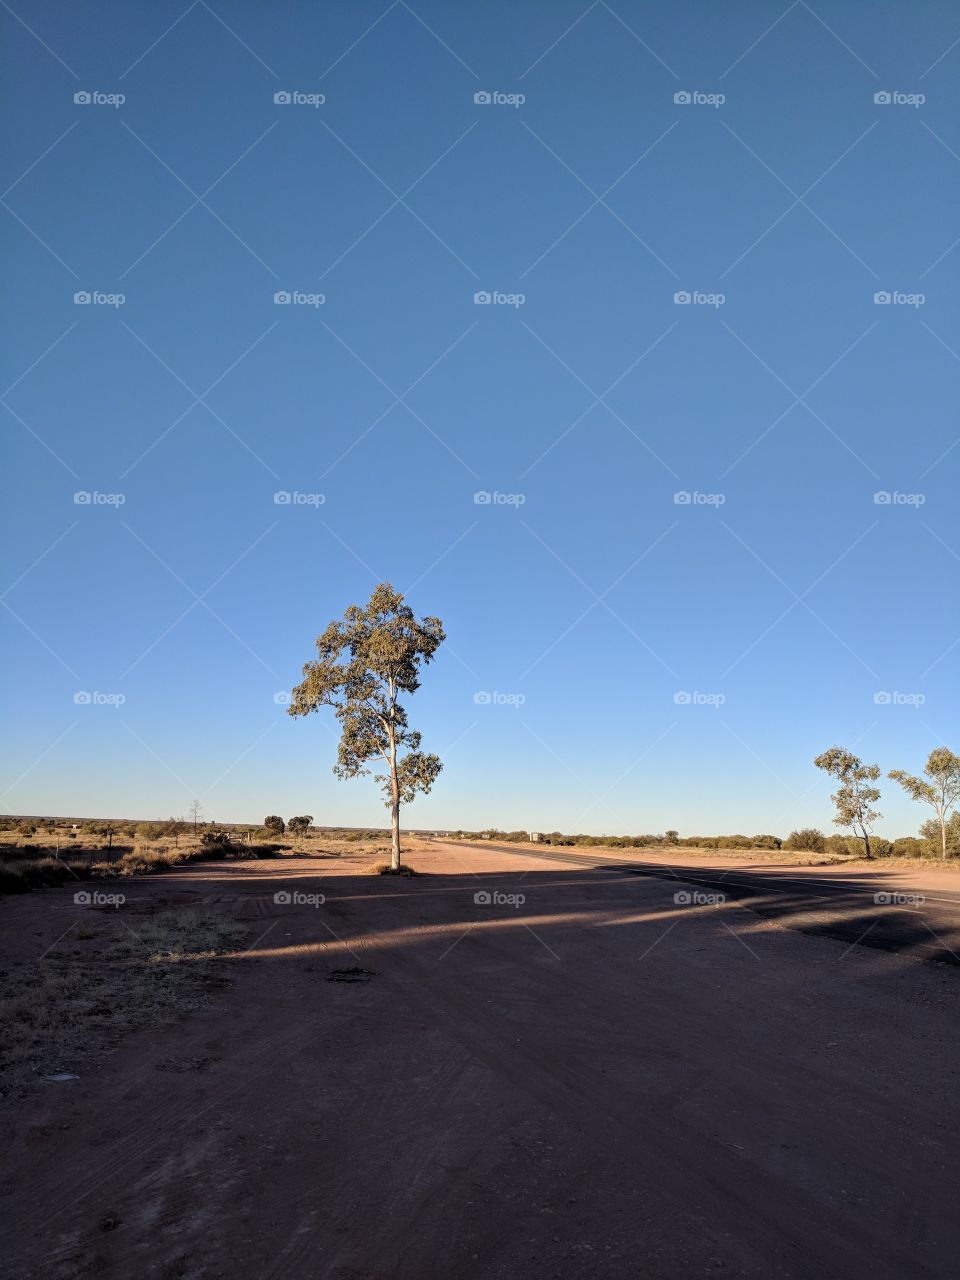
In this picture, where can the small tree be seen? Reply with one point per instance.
(176, 828)
(275, 824)
(296, 826)
(364, 662)
(855, 795)
(671, 837)
(942, 791)
(195, 811)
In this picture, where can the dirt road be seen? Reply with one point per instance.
(573, 1074)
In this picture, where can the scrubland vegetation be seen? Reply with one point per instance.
(42, 852)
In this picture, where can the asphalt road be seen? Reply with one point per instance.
(859, 907)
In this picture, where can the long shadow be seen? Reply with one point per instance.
(844, 907)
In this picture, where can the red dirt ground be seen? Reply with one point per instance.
(593, 1083)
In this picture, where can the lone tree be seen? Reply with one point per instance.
(274, 824)
(297, 825)
(364, 662)
(196, 809)
(855, 795)
(941, 790)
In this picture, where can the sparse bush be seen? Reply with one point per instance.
(215, 845)
(139, 864)
(145, 831)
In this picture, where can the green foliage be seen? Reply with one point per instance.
(933, 838)
(145, 831)
(806, 838)
(909, 847)
(855, 795)
(274, 824)
(940, 789)
(297, 825)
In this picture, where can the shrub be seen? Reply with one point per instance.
(807, 838)
(145, 831)
(275, 824)
(909, 847)
(215, 844)
(139, 864)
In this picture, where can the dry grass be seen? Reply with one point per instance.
(906, 864)
(64, 1010)
(386, 869)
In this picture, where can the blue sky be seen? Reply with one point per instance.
(651, 662)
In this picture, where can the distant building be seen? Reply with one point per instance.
(534, 837)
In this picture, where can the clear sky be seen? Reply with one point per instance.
(650, 662)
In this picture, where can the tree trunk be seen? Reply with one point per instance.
(943, 838)
(394, 805)
(866, 845)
